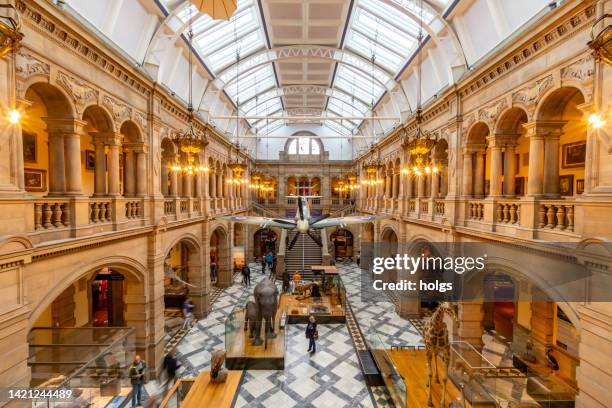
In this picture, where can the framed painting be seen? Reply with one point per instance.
(579, 186)
(566, 185)
(29, 147)
(35, 180)
(573, 155)
(90, 160)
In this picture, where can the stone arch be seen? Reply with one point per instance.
(131, 131)
(220, 254)
(130, 268)
(477, 133)
(511, 120)
(261, 243)
(194, 275)
(98, 118)
(56, 101)
(553, 103)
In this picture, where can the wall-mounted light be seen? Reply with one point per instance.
(14, 116)
(601, 44)
(596, 121)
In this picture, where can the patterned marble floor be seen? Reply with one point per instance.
(329, 378)
(375, 312)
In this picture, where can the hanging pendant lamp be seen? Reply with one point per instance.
(217, 9)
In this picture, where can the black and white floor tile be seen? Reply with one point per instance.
(329, 378)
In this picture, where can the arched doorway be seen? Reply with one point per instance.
(366, 249)
(342, 240)
(107, 293)
(388, 248)
(264, 240)
(238, 249)
(220, 258)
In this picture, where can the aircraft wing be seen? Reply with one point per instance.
(342, 221)
(262, 221)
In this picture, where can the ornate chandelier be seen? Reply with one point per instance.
(371, 169)
(256, 183)
(190, 141)
(10, 26)
(421, 144)
(602, 43)
(238, 169)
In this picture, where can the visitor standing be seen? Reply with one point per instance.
(137, 378)
(312, 334)
(285, 282)
(213, 272)
(246, 275)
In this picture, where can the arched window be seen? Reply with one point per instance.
(304, 146)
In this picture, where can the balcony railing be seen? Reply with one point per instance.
(51, 214)
(508, 213)
(100, 211)
(556, 215)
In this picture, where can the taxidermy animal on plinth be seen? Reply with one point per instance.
(250, 318)
(218, 373)
(436, 340)
(266, 300)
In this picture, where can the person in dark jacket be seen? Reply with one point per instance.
(137, 373)
(170, 366)
(312, 334)
(246, 275)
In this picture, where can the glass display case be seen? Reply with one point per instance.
(393, 379)
(91, 361)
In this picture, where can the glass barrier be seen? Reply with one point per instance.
(177, 393)
(395, 382)
(302, 299)
(93, 362)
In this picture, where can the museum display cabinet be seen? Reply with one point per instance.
(91, 361)
(393, 379)
(330, 307)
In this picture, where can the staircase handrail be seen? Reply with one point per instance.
(262, 210)
(349, 209)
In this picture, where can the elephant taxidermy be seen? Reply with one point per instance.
(250, 318)
(266, 300)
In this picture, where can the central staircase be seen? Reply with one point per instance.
(312, 254)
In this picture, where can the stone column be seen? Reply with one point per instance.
(100, 169)
(421, 186)
(496, 167)
(536, 159)
(443, 180)
(57, 177)
(467, 174)
(186, 179)
(141, 173)
(213, 184)
(129, 174)
(509, 170)
(74, 180)
(409, 192)
(479, 175)
(113, 169)
(435, 185)
(174, 183)
(164, 179)
(396, 184)
(551, 165)
(219, 184)
(198, 184)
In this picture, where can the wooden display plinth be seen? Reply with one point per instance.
(203, 393)
(241, 354)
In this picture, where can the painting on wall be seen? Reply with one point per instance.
(566, 185)
(29, 147)
(519, 186)
(574, 155)
(35, 180)
(579, 186)
(90, 160)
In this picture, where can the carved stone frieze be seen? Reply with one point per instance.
(81, 93)
(490, 113)
(530, 94)
(471, 119)
(27, 65)
(581, 70)
(120, 111)
(142, 120)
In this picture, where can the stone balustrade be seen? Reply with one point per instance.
(100, 211)
(508, 213)
(411, 205)
(475, 210)
(424, 206)
(50, 214)
(133, 210)
(439, 207)
(558, 215)
(184, 206)
(197, 207)
(169, 207)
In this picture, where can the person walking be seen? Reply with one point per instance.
(312, 334)
(137, 378)
(187, 313)
(269, 260)
(170, 366)
(246, 275)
